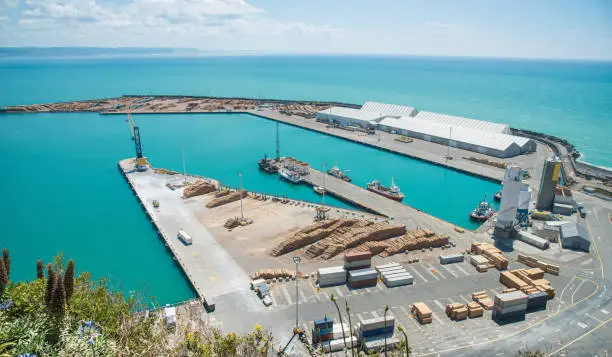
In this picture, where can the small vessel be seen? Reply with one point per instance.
(483, 212)
(498, 195)
(393, 192)
(289, 175)
(319, 189)
(337, 173)
(267, 165)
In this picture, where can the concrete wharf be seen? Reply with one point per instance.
(376, 203)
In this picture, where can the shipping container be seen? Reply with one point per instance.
(510, 309)
(376, 322)
(451, 258)
(338, 344)
(512, 298)
(357, 264)
(534, 240)
(385, 266)
(508, 317)
(379, 331)
(392, 270)
(357, 256)
(378, 344)
(363, 283)
(326, 322)
(398, 274)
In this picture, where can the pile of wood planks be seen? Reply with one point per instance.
(535, 263)
(492, 253)
(200, 187)
(311, 234)
(230, 197)
(482, 298)
(528, 281)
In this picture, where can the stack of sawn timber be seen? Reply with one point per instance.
(331, 276)
(457, 312)
(483, 299)
(535, 263)
(393, 275)
(311, 234)
(481, 263)
(362, 278)
(422, 313)
(527, 280)
(200, 187)
(357, 260)
(230, 197)
(491, 253)
(510, 306)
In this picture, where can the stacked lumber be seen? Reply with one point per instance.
(413, 240)
(200, 187)
(349, 238)
(509, 290)
(422, 313)
(311, 234)
(535, 263)
(457, 312)
(521, 279)
(491, 253)
(483, 300)
(272, 273)
(474, 310)
(231, 197)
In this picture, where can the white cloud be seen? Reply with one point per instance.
(439, 25)
(177, 23)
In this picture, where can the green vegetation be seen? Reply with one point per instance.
(67, 314)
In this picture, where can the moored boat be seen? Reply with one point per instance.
(267, 165)
(498, 195)
(289, 175)
(318, 189)
(337, 173)
(483, 212)
(392, 192)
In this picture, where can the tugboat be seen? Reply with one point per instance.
(267, 165)
(337, 173)
(498, 195)
(483, 212)
(289, 175)
(392, 192)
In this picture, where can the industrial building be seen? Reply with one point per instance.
(575, 236)
(548, 184)
(511, 191)
(468, 134)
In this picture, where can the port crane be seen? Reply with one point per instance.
(130, 121)
(141, 161)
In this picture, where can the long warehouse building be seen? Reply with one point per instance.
(464, 133)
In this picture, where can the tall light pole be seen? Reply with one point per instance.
(241, 210)
(296, 260)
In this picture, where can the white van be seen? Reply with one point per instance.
(184, 237)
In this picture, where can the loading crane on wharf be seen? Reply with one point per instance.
(141, 161)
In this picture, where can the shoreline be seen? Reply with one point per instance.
(568, 153)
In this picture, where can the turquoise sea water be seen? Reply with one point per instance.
(570, 99)
(62, 190)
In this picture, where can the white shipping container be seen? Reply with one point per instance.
(510, 299)
(396, 274)
(392, 270)
(335, 269)
(338, 344)
(399, 281)
(379, 344)
(337, 331)
(389, 265)
(376, 323)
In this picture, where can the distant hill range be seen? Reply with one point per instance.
(95, 51)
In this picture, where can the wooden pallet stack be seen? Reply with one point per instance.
(422, 313)
(475, 310)
(457, 312)
(491, 253)
(535, 263)
(482, 298)
(528, 281)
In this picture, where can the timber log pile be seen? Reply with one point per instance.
(412, 240)
(311, 234)
(225, 199)
(200, 187)
(272, 273)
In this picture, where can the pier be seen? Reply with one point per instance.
(376, 203)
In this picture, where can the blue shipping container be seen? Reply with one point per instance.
(325, 322)
(378, 331)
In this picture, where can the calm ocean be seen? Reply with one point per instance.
(62, 192)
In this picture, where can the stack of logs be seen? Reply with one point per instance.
(200, 187)
(226, 197)
(272, 273)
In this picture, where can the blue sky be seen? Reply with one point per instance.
(481, 28)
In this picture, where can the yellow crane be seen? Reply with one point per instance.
(141, 161)
(128, 110)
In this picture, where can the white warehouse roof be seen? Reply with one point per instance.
(350, 113)
(388, 109)
(475, 137)
(464, 122)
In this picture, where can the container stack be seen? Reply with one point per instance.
(394, 275)
(483, 300)
(362, 278)
(375, 327)
(510, 306)
(377, 344)
(537, 301)
(331, 276)
(338, 344)
(422, 313)
(323, 330)
(357, 260)
(451, 258)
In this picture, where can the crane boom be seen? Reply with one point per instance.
(128, 110)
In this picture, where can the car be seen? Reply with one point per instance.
(267, 301)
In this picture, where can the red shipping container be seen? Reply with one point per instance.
(357, 256)
(363, 283)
